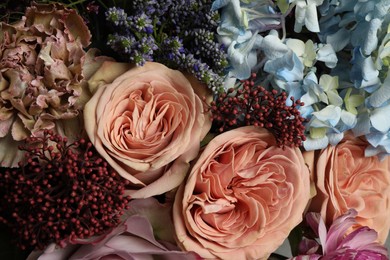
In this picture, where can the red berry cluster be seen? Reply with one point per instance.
(254, 105)
(65, 191)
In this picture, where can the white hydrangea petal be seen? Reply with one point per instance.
(331, 114)
(348, 118)
(327, 54)
(297, 46)
(311, 19)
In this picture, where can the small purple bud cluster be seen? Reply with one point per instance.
(178, 33)
(254, 105)
(202, 43)
(65, 191)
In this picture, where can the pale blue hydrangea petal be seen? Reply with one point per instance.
(311, 75)
(375, 151)
(328, 25)
(332, 121)
(316, 123)
(294, 89)
(328, 6)
(366, 36)
(348, 119)
(384, 49)
(288, 67)
(375, 138)
(229, 81)
(382, 8)
(226, 35)
(363, 125)
(327, 54)
(243, 56)
(314, 93)
(339, 40)
(306, 111)
(358, 25)
(315, 143)
(310, 97)
(273, 47)
(335, 138)
(364, 72)
(381, 95)
(261, 16)
(334, 98)
(230, 25)
(379, 145)
(233, 4)
(347, 20)
(315, 2)
(379, 118)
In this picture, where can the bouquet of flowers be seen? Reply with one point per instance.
(194, 129)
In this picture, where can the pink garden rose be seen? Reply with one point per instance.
(147, 124)
(243, 196)
(346, 179)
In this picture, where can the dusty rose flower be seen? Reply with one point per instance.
(338, 243)
(43, 76)
(243, 196)
(346, 179)
(147, 124)
(146, 233)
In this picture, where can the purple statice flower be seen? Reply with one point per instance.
(141, 23)
(180, 34)
(338, 243)
(117, 16)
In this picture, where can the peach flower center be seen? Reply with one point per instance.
(146, 121)
(239, 195)
(360, 180)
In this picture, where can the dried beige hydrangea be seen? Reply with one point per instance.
(43, 76)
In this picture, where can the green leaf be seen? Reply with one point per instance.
(352, 101)
(283, 5)
(207, 139)
(294, 238)
(317, 132)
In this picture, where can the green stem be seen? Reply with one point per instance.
(75, 3)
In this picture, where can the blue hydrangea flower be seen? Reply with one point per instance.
(243, 56)
(379, 145)
(364, 74)
(240, 24)
(374, 124)
(327, 126)
(353, 22)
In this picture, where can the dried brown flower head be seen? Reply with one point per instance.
(43, 75)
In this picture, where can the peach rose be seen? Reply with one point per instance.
(243, 196)
(346, 179)
(147, 124)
